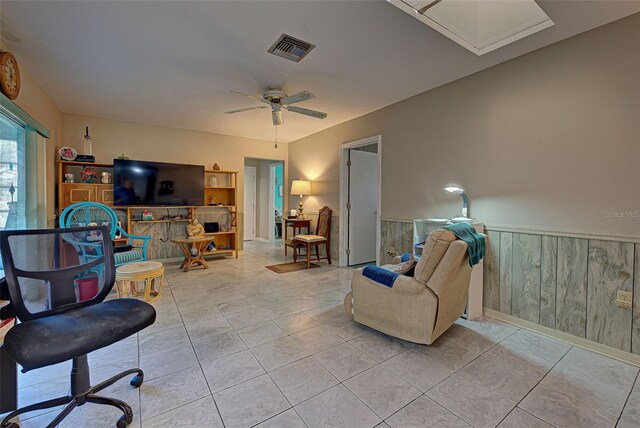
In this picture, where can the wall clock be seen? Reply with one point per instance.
(9, 75)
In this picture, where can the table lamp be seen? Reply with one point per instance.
(459, 190)
(302, 188)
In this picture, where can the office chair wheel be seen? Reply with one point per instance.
(122, 423)
(137, 380)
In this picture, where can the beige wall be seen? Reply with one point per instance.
(162, 144)
(34, 100)
(548, 140)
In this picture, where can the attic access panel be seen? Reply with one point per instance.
(481, 26)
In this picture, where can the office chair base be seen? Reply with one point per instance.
(76, 400)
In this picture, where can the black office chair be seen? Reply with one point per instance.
(58, 280)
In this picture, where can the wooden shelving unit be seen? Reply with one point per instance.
(225, 194)
(70, 193)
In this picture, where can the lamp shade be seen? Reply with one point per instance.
(301, 187)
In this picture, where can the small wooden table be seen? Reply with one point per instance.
(295, 224)
(200, 244)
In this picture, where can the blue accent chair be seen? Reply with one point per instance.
(82, 213)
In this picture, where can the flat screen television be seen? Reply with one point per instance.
(157, 183)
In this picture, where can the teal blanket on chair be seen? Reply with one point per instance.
(474, 240)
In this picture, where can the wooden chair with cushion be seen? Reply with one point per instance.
(322, 237)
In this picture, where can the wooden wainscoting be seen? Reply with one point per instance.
(567, 283)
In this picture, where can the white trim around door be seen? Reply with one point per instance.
(344, 195)
(249, 234)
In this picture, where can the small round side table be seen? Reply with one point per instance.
(150, 273)
(200, 243)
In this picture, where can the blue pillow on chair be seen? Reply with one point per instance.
(380, 275)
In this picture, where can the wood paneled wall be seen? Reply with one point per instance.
(566, 283)
(397, 235)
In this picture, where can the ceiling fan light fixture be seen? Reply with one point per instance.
(277, 117)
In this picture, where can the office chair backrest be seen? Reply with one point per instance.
(51, 271)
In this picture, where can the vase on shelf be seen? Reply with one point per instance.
(87, 143)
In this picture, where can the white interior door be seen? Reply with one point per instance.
(249, 203)
(363, 200)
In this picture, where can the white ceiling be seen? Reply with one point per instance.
(173, 63)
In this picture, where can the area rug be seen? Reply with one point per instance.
(290, 267)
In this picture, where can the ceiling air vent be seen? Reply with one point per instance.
(291, 48)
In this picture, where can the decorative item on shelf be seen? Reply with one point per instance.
(85, 158)
(212, 201)
(302, 188)
(87, 143)
(216, 167)
(9, 75)
(105, 177)
(194, 229)
(69, 178)
(211, 227)
(459, 190)
(213, 181)
(147, 215)
(67, 153)
(89, 174)
(93, 235)
(293, 213)
(123, 157)
(211, 247)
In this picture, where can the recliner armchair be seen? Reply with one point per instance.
(420, 308)
(63, 315)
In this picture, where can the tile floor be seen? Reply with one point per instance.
(238, 346)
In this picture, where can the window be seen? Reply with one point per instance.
(12, 175)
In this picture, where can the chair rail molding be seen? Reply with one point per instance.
(566, 233)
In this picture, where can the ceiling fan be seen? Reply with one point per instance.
(277, 100)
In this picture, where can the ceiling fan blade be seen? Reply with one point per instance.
(245, 109)
(255, 97)
(307, 112)
(296, 98)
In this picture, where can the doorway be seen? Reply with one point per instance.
(276, 201)
(360, 198)
(249, 203)
(264, 188)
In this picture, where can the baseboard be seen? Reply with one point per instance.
(574, 340)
